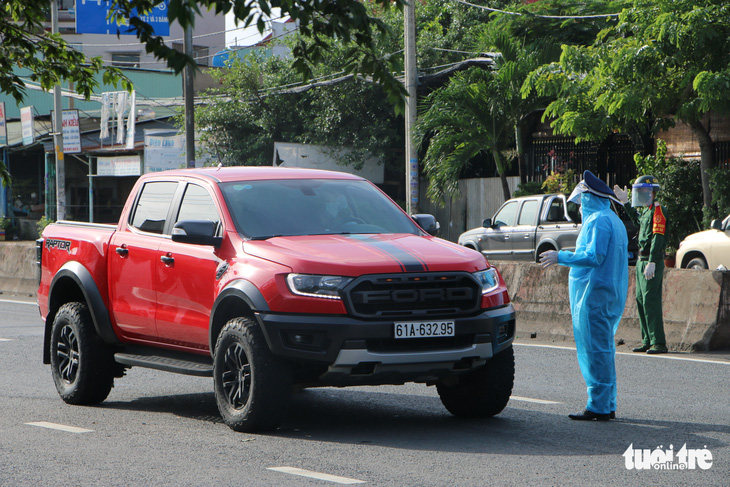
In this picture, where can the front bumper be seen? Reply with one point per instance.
(355, 351)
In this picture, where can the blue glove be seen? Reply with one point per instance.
(548, 258)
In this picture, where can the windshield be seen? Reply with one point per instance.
(264, 209)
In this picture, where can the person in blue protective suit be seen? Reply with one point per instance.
(598, 286)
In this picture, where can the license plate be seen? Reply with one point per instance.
(424, 329)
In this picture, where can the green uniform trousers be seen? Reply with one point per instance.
(649, 304)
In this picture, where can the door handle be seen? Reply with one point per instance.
(167, 260)
(123, 251)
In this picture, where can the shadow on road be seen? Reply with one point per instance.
(361, 417)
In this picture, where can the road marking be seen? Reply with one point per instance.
(32, 303)
(316, 475)
(633, 354)
(529, 399)
(60, 427)
(5, 340)
(537, 345)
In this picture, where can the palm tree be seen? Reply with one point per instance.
(478, 112)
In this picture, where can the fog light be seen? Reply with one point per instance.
(303, 339)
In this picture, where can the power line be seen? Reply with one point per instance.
(465, 52)
(596, 16)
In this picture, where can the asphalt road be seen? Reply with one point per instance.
(158, 428)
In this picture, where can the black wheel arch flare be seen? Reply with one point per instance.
(85, 284)
(238, 298)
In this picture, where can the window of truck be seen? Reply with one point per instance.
(263, 209)
(152, 206)
(197, 204)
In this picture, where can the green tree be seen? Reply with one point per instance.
(456, 123)
(523, 40)
(478, 112)
(259, 101)
(663, 61)
(49, 58)
(255, 107)
(26, 43)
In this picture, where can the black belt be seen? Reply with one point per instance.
(644, 254)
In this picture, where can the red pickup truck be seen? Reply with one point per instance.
(269, 279)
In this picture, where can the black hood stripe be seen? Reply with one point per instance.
(407, 261)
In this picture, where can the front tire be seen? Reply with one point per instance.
(81, 364)
(252, 387)
(484, 392)
(697, 263)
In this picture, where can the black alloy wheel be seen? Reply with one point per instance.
(252, 386)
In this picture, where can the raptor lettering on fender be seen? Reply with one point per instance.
(53, 243)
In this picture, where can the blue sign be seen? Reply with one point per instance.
(92, 18)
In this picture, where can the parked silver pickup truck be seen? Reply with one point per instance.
(527, 226)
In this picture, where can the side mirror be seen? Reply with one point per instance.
(487, 223)
(427, 222)
(196, 232)
(716, 224)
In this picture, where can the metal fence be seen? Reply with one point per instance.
(612, 160)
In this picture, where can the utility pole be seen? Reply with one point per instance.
(189, 95)
(58, 133)
(411, 81)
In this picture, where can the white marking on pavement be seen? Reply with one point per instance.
(316, 475)
(633, 354)
(32, 303)
(60, 427)
(529, 399)
(5, 340)
(544, 346)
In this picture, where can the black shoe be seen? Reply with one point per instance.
(587, 415)
(612, 415)
(657, 349)
(643, 348)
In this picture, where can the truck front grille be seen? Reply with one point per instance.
(417, 295)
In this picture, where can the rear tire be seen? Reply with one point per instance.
(697, 263)
(484, 392)
(82, 365)
(252, 386)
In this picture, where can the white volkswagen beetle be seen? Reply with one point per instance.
(706, 250)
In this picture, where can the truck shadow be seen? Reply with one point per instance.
(420, 422)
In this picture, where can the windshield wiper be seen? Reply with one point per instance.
(266, 237)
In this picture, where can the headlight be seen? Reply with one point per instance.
(328, 287)
(489, 279)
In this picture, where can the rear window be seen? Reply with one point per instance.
(152, 206)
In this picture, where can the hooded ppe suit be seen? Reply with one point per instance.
(598, 285)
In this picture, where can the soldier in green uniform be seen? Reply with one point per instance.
(650, 267)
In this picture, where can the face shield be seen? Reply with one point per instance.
(642, 195)
(579, 189)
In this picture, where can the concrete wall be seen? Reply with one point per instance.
(696, 303)
(479, 199)
(696, 306)
(18, 272)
